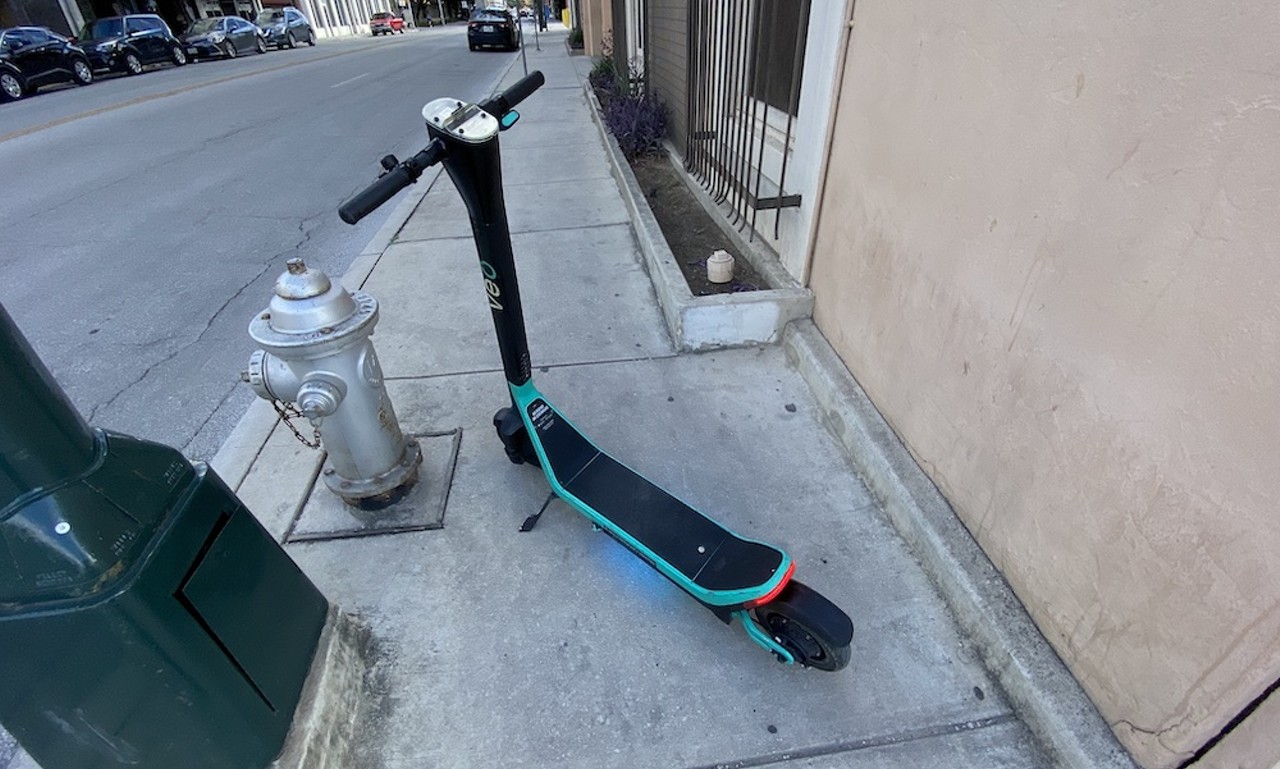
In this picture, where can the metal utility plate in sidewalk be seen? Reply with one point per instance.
(326, 517)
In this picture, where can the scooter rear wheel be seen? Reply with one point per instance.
(805, 623)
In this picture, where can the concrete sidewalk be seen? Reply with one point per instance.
(557, 648)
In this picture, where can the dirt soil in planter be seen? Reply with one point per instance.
(689, 229)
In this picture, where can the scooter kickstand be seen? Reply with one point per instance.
(532, 520)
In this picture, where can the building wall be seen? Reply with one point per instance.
(1254, 744)
(618, 35)
(668, 58)
(799, 145)
(337, 18)
(36, 13)
(247, 9)
(1047, 248)
(597, 22)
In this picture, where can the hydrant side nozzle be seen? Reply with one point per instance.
(271, 378)
(320, 396)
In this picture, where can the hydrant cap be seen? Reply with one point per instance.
(306, 301)
(301, 282)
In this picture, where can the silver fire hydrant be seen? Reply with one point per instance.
(317, 354)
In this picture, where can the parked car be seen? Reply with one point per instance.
(286, 27)
(129, 43)
(225, 37)
(33, 56)
(492, 27)
(11, 87)
(384, 23)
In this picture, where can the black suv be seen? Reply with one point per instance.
(33, 56)
(128, 43)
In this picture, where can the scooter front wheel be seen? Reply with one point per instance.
(813, 629)
(515, 437)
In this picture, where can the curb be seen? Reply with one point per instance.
(334, 707)
(1042, 691)
(702, 322)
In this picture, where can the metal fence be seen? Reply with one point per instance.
(745, 67)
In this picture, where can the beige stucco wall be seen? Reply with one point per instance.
(1251, 745)
(597, 22)
(1049, 248)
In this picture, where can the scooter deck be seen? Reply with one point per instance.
(719, 567)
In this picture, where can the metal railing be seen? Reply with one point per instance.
(744, 72)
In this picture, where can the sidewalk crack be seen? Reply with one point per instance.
(850, 746)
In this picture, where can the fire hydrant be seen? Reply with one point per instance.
(317, 354)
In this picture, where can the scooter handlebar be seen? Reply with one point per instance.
(401, 175)
(386, 186)
(503, 103)
(382, 190)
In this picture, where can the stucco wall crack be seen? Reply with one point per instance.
(1157, 736)
(1128, 155)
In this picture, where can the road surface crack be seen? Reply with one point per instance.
(102, 407)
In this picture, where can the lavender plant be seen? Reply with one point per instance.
(637, 122)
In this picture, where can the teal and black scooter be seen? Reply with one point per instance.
(735, 578)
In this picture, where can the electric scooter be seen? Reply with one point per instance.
(734, 577)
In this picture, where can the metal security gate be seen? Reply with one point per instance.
(745, 67)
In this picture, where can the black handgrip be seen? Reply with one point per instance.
(382, 190)
(397, 177)
(503, 103)
(523, 88)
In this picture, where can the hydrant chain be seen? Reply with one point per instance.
(287, 412)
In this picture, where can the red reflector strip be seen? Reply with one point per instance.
(772, 594)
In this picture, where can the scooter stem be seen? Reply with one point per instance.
(472, 161)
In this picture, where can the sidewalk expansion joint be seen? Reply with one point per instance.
(544, 182)
(542, 368)
(865, 743)
(573, 227)
(516, 232)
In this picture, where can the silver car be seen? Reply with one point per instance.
(226, 37)
(286, 27)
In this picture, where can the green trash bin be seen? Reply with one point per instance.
(147, 620)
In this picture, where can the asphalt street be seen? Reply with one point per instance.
(145, 219)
